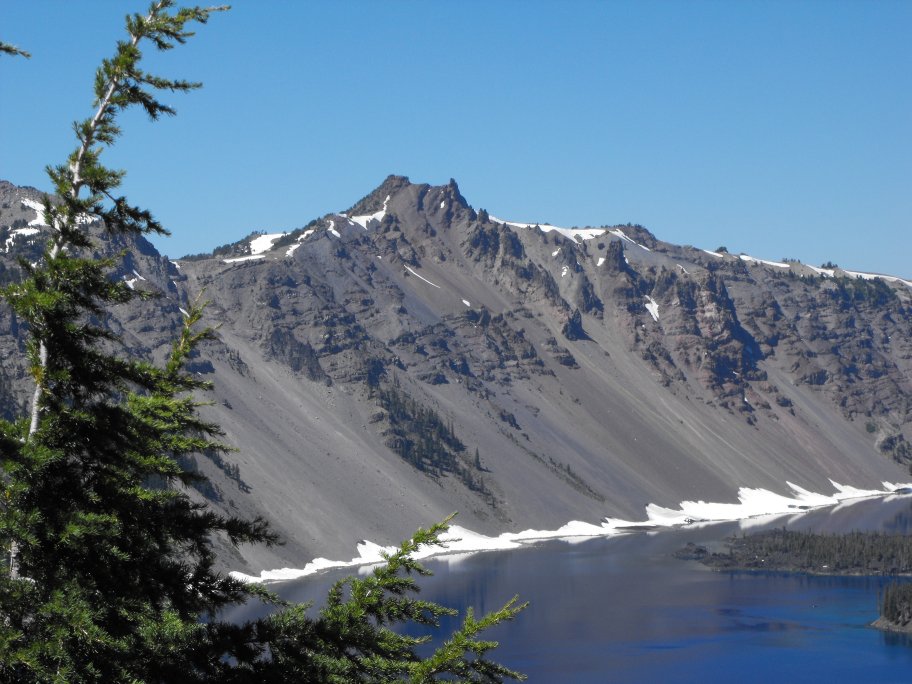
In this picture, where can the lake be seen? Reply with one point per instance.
(622, 609)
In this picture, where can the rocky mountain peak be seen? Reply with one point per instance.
(375, 200)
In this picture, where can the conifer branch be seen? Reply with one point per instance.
(117, 87)
(7, 49)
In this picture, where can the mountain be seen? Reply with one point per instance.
(412, 356)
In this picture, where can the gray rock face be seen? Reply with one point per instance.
(381, 368)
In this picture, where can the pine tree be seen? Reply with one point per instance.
(109, 571)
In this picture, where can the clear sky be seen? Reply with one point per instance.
(778, 129)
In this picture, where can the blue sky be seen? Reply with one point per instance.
(779, 129)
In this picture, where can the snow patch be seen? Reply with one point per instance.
(252, 257)
(826, 272)
(183, 311)
(601, 261)
(653, 308)
(291, 250)
(875, 276)
(564, 271)
(24, 232)
(555, 252)
(572, 233)
(620, 233)
(756, 502)
(422, 277)
(131, 282)
(683, 269)
(41, 218)
(263, 243)
(443, 205)
(467, 302)
(367, 220)
(777, 264)
(753, 505)
(38, 207)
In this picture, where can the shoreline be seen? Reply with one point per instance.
(885, 625)
(873, 555)
(754, 503)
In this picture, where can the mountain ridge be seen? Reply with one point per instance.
(365, 359)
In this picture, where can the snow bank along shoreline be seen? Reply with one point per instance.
(753, 503)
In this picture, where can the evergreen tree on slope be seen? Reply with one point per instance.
(108, 573)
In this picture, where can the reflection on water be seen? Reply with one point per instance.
(623, 609)
(900, 523)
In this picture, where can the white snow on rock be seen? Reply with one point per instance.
(874, 276)
(183, 311)
(263, 243)
(826, 272)
(601, 261)
(467, 302)
(24, 232)
(653, 308)
(753, 504)
(555, 252)
(41, 219)
(620, 233)
(367, 220)
(251, 257)
(683, 269)
(422, 277)
(750, 259)
(443, 205)
(572, 233)
(303, 236)
(564, 271)
(38, 207)
(131, 282)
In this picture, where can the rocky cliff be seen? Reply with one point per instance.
(384, 366)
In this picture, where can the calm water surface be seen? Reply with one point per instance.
(623, 609)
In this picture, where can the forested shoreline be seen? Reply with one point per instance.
(853, 553)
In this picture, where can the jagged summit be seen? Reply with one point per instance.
(374, 201)
(364, 358)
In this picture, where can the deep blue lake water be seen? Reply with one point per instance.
(623, 609)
